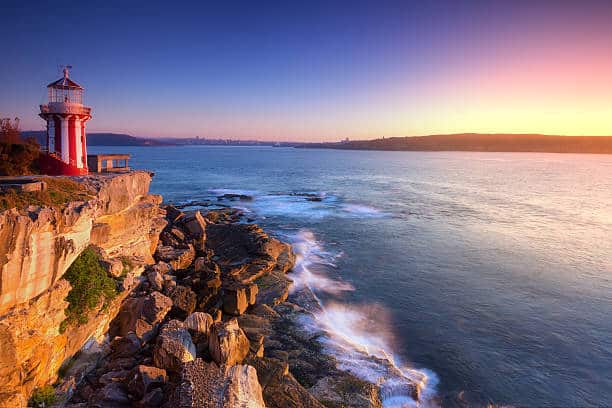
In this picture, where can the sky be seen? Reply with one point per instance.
(315, 70)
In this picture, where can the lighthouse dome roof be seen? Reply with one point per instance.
(64, 83)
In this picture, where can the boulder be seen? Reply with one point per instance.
(242, 388)
(161, 267)
(125, 346)
(113, 376)
(144, 378)
(235, 300)
(154, 398)
(194, 224)
(245, 252)
(184, 300)
(227, 343)
(178, 258)
(173, 347)
(112, 394)
(199, 322)
(204, 385)
(156, 280)
(141, 315)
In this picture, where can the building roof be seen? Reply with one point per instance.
(64, 83)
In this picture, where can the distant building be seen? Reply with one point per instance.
(65, 152)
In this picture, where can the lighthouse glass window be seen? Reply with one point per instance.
(65, 95)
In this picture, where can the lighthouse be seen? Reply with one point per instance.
(65, 152)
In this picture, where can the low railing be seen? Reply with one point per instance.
(61, 107)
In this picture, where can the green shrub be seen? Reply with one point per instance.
(91, 285)
(42, 397)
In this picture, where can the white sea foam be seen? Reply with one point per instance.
(358, 336)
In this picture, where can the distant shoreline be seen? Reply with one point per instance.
(462, 142)
(478, 142)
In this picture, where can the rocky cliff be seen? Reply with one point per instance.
(201, 317)
(38, 244)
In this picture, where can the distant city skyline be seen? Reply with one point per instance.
(316, 71)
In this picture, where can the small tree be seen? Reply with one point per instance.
(9, 131)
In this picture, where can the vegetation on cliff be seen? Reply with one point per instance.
(58, 191)
(17, 157)
(42, 397)
(91, 285)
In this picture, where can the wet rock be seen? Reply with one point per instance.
(144, 379)
(178, 258)
(184, 300)
(173, 347)
(234, 197)
(199, 322)
(280, 388)
(273, 288)
(347, 390)
(227, 343)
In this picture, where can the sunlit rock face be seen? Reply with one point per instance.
(38, 245)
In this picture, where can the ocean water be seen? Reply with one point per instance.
(482, 276)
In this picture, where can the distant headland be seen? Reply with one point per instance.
(480, 142)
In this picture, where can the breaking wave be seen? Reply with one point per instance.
(358, 336)
(310, 204)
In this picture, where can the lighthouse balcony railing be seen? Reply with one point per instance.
(65, 108)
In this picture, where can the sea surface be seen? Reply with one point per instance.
(487, 277)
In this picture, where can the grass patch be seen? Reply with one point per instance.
(128, 265)
(59, 191)
(91, 285)
(42, 397)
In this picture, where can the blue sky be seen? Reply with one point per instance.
(317, 70)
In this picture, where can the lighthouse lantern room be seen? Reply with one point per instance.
(65, 152)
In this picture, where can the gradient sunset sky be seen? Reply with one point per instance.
(316, 70)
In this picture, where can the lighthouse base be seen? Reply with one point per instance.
(53, 166)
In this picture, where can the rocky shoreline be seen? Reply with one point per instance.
(203, 315)
(209, 325)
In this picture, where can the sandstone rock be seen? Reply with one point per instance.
(141, 315)
(235, 299)
(280, 388)
(227, 343)
(125, 346)
(242, 388)
(347, 390)
(245, 252)
(273, 288)
(161, 267)
(156, 280)
(113, 376)
(251, 293)
(144, 378)
(173, 347)
(178, 258)
(173, 214)
(204, 385)
(199, 322)
(184, 300)
(195, 224)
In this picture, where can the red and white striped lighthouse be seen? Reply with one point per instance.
(66, 150)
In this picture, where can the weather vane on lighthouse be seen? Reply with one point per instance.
(65, 152)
